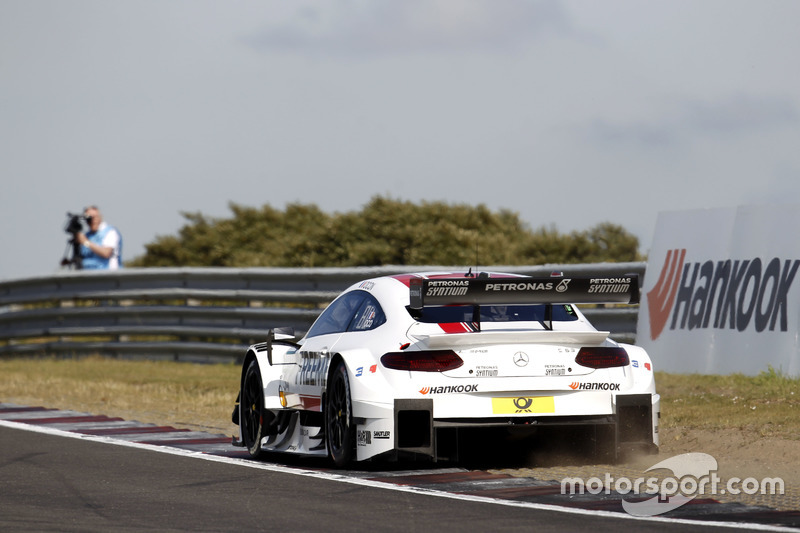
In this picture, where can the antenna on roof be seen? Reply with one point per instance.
(476, 255)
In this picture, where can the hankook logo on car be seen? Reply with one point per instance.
(449, 389)
(576, 385)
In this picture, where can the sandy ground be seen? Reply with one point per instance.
(739, 455)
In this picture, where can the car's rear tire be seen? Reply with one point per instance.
(251, 407)
(340, 429)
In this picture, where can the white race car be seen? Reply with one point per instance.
(410, 364)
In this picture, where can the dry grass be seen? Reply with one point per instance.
(197, 396)
(160, 392)
(767, 405)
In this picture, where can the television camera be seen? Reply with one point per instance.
(72, 255)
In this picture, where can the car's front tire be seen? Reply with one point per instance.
(340, 429)
(251, 407)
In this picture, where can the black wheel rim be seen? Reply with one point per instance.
(252, 407)
(338, 415)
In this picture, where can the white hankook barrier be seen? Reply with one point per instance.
(721, 293)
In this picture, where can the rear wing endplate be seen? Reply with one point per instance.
(524, 290)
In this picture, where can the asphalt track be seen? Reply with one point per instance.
(66, 471)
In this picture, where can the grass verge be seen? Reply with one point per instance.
(183, 395)
(766, 405)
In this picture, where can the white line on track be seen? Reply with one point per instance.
(382, 485)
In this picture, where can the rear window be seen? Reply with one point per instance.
(494, 313)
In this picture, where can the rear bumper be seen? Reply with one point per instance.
(633, 425)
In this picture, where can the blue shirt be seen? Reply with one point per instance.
(104, 236)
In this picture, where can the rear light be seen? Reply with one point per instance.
(426, 361)
(602, 357)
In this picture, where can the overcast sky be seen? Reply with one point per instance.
(570, 113)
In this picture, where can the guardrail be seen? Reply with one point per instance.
(207, 314)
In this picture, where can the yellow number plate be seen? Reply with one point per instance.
(523, 404)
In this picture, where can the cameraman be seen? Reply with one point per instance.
(101, 246)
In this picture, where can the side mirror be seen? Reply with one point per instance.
(283, 334)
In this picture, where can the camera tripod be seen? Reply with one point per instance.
(72, 255)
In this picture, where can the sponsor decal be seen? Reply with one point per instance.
(381, 434)
(577, 385)
(367, 318)
(367, 285)
(609, 285)
(486, 371)
(447, 288)
(415, 291)
(528, 286)
(563, 285)
(554, 370)
(728, 294)
(610, 281)
(523, 405)
(360, 370)
(449, 389)
(521, 359)
(313, 369)
(364, 437)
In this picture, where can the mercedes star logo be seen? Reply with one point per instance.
(520, 359)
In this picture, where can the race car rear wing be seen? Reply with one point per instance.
(523, 290)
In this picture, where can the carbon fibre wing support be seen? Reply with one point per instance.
(524, 290)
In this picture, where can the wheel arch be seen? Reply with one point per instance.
(249, 356)
(335, 359)
(252, 355)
